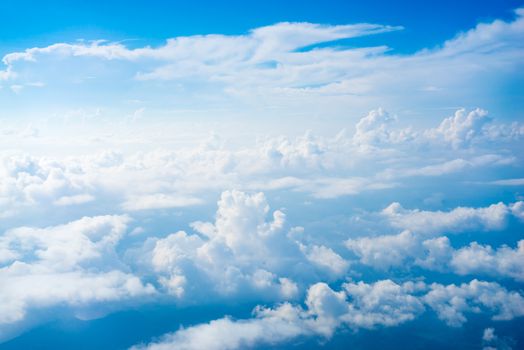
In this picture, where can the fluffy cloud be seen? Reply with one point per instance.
(240, 251)
(73, 264)
(412, 247)
(357, 305)
(483, 259)
(383, 251)
(406, 249)
(271, 326)
(461, 128)
(452, 302)
(373, 130)
(381, 304)
(27, 288)
(459, 219)
(325, 258)
(323, 167)
(67, 246)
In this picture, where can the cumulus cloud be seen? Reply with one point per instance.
(483, 259)
(493, 217)
(357, 305)
(271, 326)
(322, 167)
(326, 258)
(462, 127)
(373, 130)
(452, 302)
(415, 246)
(406, 249)
(74, 264)
(383, 251)
(240, 251)
(381, 304)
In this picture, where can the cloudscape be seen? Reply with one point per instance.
(262, 175)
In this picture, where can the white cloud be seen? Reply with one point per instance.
(383, 251)
(239, 252)
(280, 62)
(493, 217)
(357, 305)
(483, 259)
(73, 200)
(27, 287)
(158, 201)
(380, 304)
(491, 341)
(326, 258)
(489, 335)
(67, 246)
(508, 182)
(452, 302)
(373, 131)
(461, 128)
(75, 265)
(248, 252)
(271, 326)
(383, 303)
(322, 167)
(517, 209)
(406, 249)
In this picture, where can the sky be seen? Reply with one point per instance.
(261, 175)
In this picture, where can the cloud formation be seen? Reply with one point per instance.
(137, 150)
(357, 305)
(74, 264)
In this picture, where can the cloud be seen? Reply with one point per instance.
(239, 252)
(383, 303)
(322, 167)
(461, 128)
(473, 259)
(358, 305)
(73, 200)
(452, 301)
(158, 201)
(383, 251)
(326, 258)
(508, 182)
(207, 55)
(489, 335)
(285, 61)
(408, 249)
(491, 341)
(73, 265)
(493, 217)
(374, 130)
(297, 75)
(27, 288)
(272, 326)
(483, 259)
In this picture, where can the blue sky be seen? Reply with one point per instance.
(231, 175)
(427, 24)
